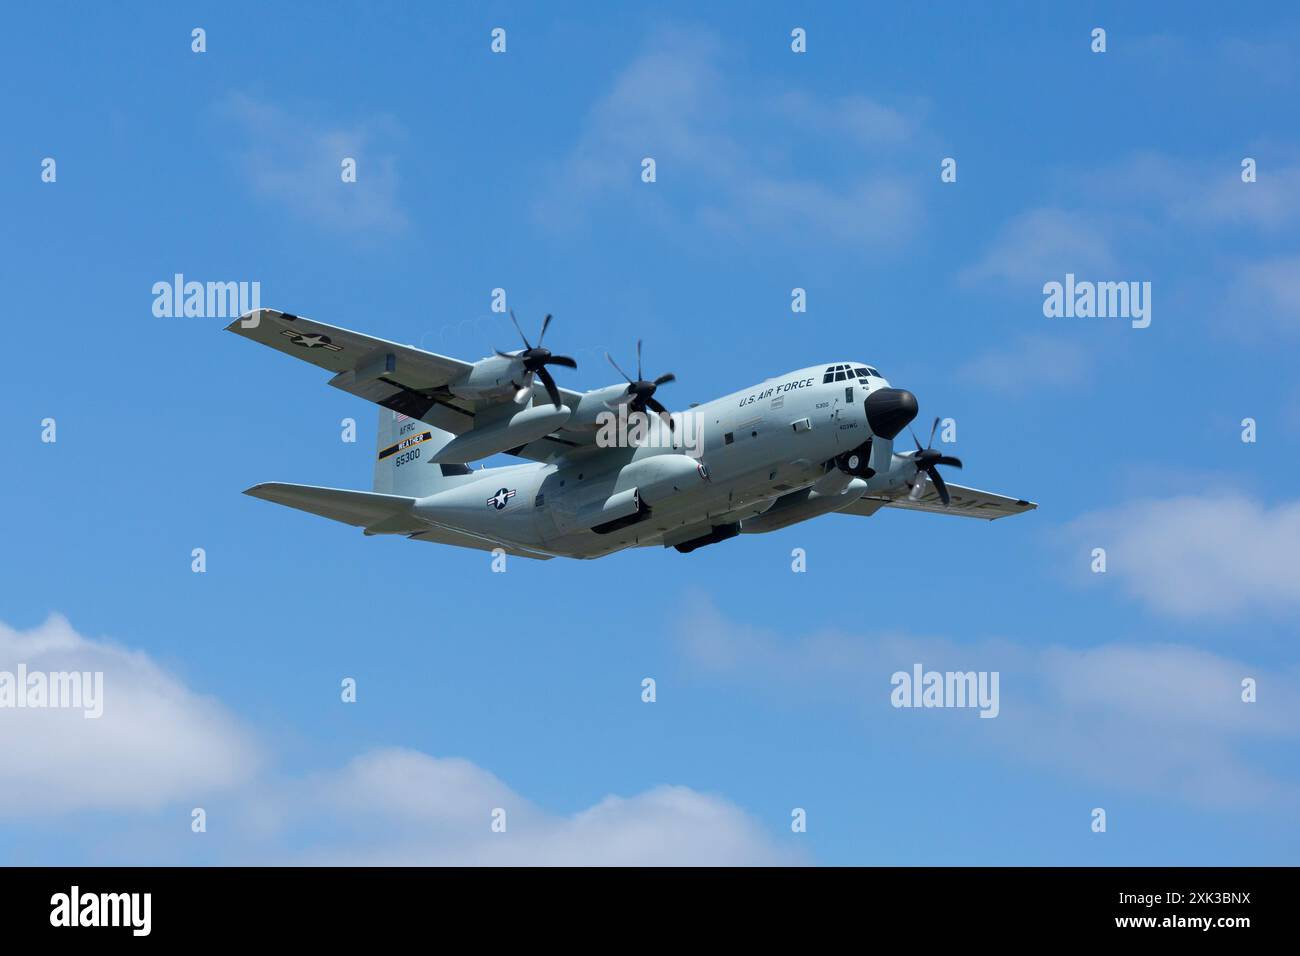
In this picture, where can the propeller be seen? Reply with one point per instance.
(535, 359)
(640, 393)
(926, 459)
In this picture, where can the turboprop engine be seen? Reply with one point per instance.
(661, 476)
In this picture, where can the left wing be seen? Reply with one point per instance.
(406, 379)
(966, 503)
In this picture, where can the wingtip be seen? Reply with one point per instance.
(256, 315)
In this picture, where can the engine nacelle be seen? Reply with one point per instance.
(587, 413)
(802, 505)
(528, 424)
(661, 476)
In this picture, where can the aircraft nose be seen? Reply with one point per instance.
(890, 410)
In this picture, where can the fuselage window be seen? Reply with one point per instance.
(848, 394)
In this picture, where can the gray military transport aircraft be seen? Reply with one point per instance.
(611, 468)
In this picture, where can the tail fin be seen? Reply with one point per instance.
(402, 465)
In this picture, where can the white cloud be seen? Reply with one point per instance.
(718, 160)
(297, 163)
(402, 807)
(158, 744)
(156, 741)
(1201, 554)
(1117, 215)
(1178, 192)
(1042, 245)
(864, 120)
(1158, 718)
(1269, 290)
(1027, 364)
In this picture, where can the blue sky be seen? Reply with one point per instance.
(775, 170)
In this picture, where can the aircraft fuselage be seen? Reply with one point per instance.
(757, 445)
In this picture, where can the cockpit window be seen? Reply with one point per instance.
(849, 373)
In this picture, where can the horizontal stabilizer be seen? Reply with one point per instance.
(378, 513)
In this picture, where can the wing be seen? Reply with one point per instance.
(966, 503)
(406, 379)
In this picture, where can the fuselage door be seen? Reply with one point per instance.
(842, 417)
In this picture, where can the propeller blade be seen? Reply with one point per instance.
(665, 379)
(915, 439)
(561, 360)
(505, 354)
(617, 369)
(948, 460)
(933, 428)
(662, 412)
(549, 382)
(545, 323)
(939, 485)
(519, 330)
(638, 360)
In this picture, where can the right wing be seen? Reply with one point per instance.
(966, 503)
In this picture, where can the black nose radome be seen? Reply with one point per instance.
(890, 410)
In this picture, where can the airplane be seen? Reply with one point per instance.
(611, 468)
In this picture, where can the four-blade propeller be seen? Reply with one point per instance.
(535, 359)
(640, 393)
(925, 460)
